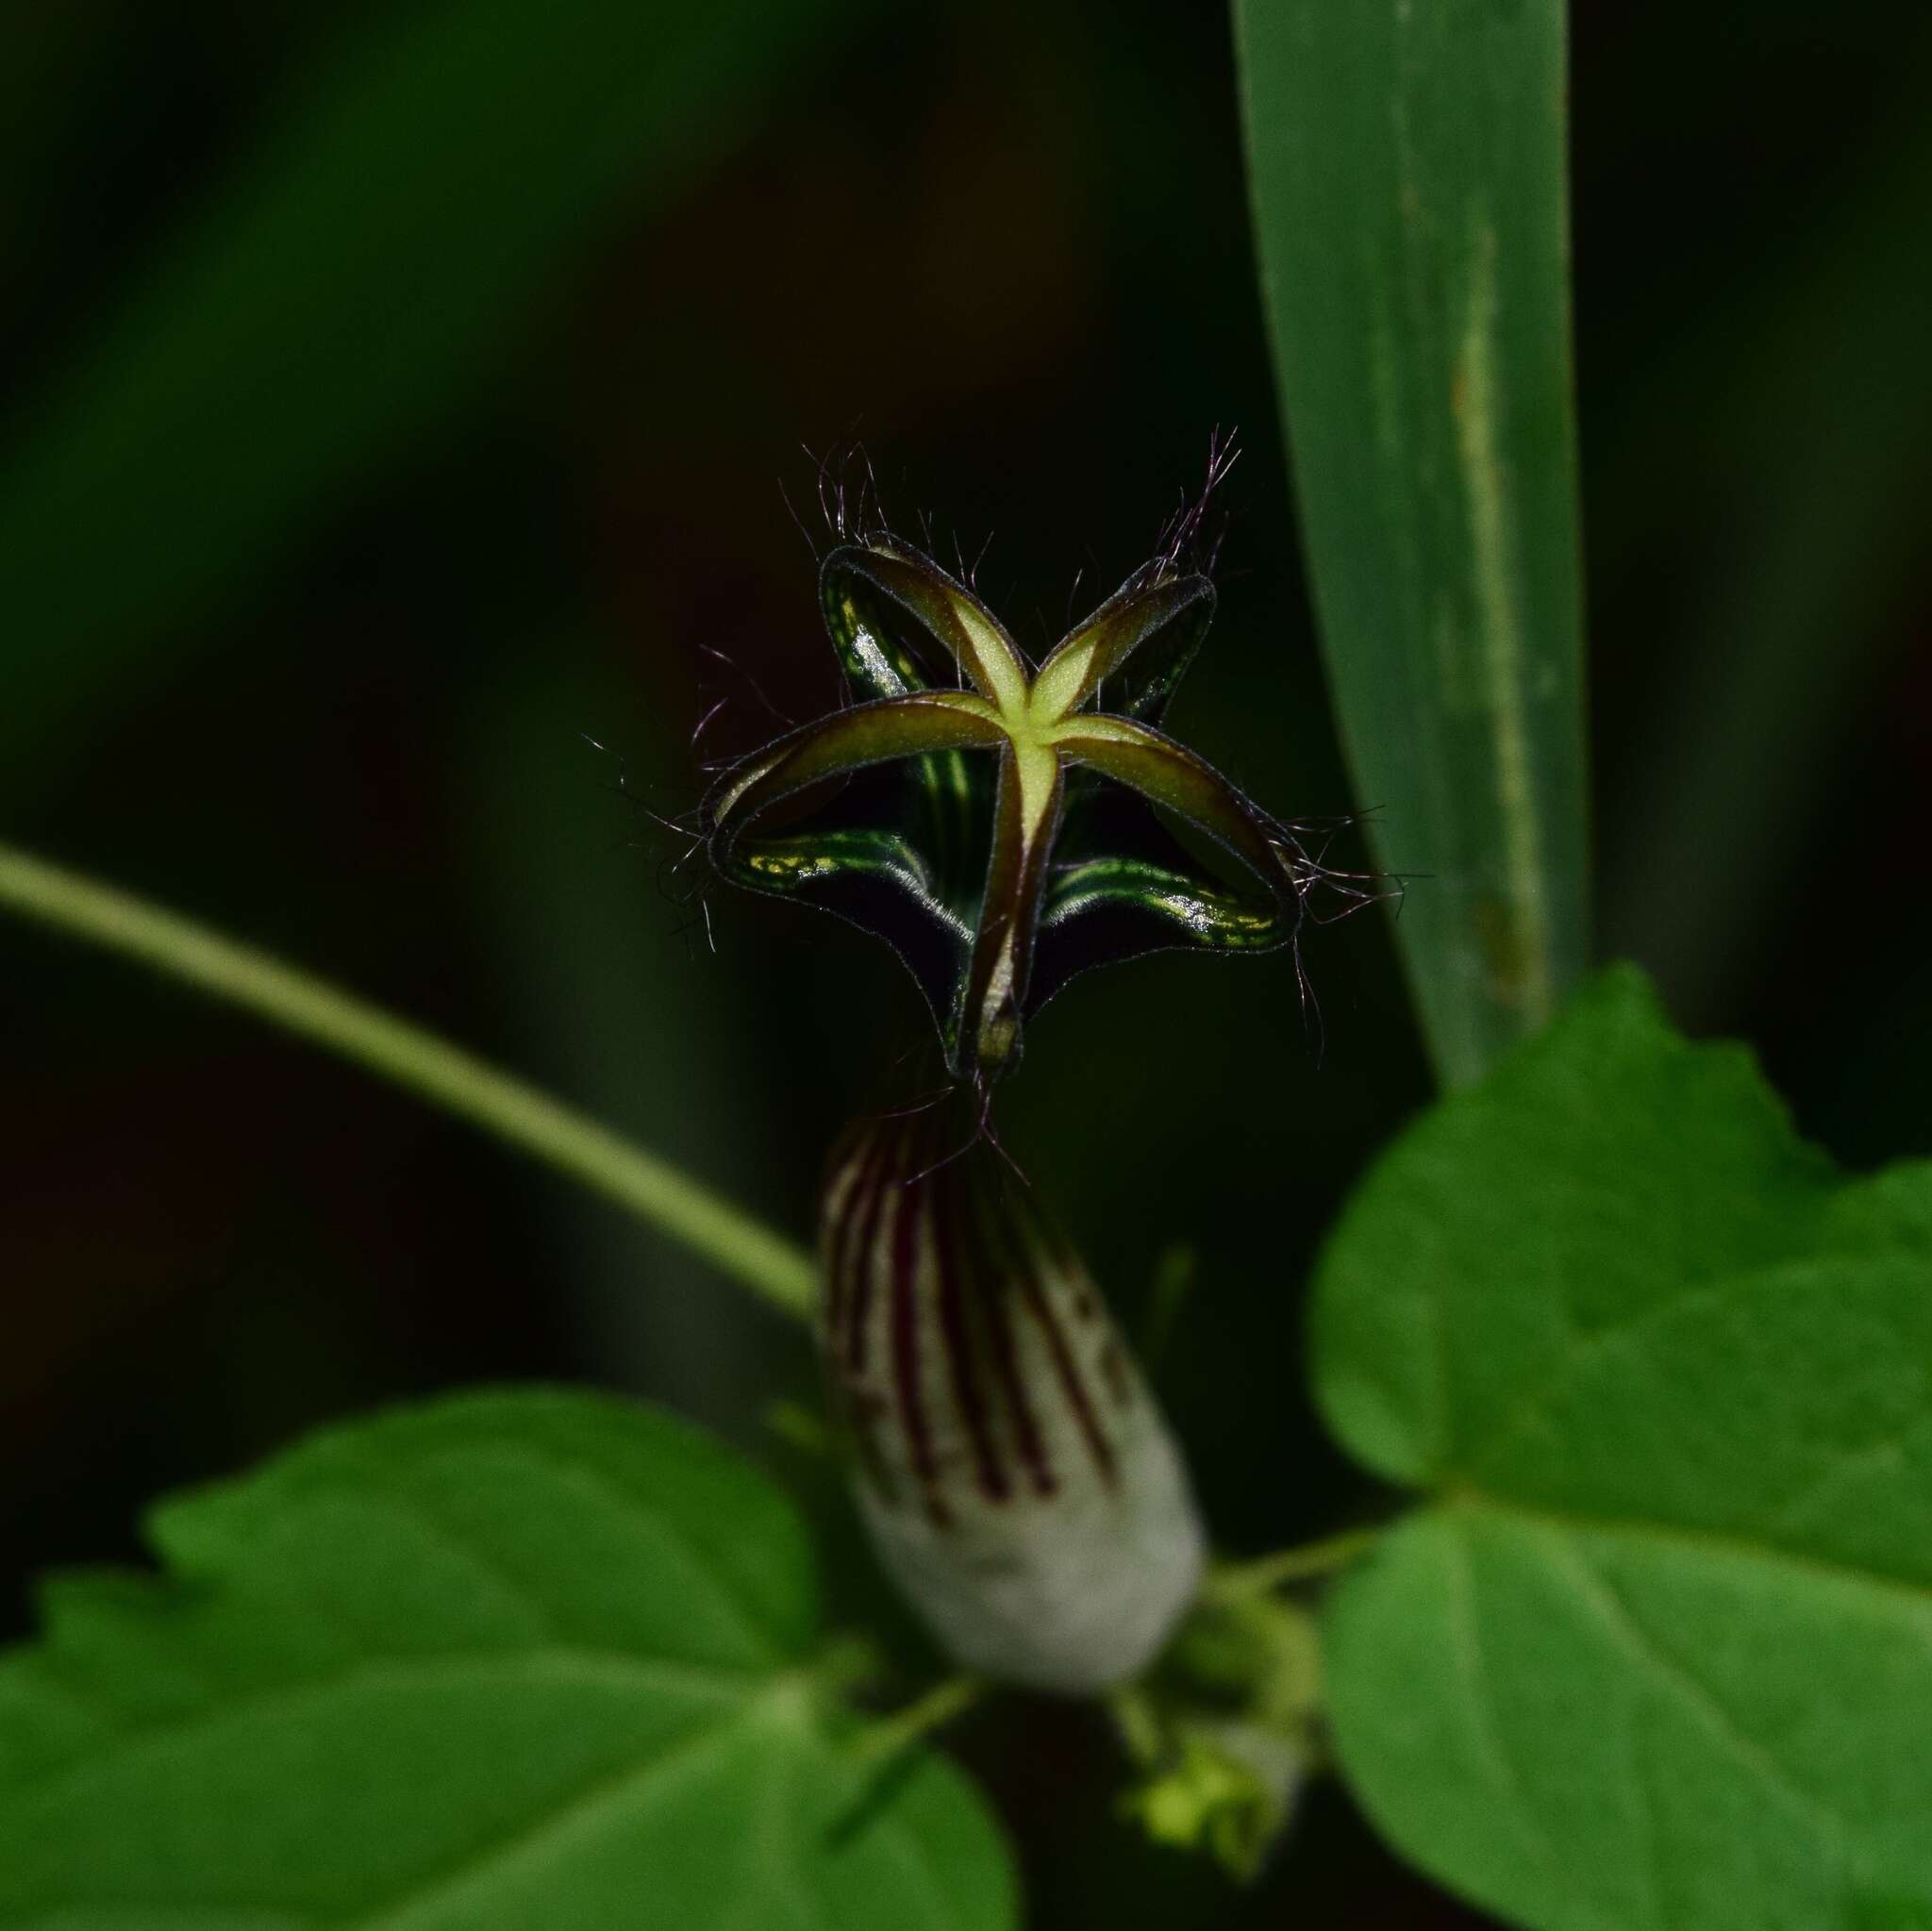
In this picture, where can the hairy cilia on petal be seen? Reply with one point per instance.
(1005, 826)
(1017, 1478)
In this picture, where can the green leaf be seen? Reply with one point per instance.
(1659, 1652)
(506, 1660)
(404, 217)
(1405, 166)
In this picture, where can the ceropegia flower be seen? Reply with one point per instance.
(996, 823)
(1004, 826)
(1017, 1477)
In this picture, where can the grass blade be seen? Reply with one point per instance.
(1406, 169)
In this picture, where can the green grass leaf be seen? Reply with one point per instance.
(1407, 170)
(1659, 1652)
(405, 216)
(505, 1660)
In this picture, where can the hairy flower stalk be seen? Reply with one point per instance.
(1014, 1470)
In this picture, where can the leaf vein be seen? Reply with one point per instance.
(1601, 1595)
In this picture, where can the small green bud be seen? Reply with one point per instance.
(1226, 1729)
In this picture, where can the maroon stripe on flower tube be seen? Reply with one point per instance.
(993, 1304)
(956, 1327)
(874, 1184)
(907, 1334)
(1020, 1235)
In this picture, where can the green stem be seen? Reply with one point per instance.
(1138, 1724)
(1302, 1563)
(421, 1063)
(918, 1720)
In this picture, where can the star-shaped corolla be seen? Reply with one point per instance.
(1001, 826)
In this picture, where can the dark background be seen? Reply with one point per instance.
(1006, 247)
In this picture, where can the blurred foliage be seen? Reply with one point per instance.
(1009, 248)
(401, 207)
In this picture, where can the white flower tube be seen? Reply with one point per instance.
(1016, 1474)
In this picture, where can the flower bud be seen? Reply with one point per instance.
(1016, 1474)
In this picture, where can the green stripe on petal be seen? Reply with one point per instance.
(1103, 911)
(1195, 913)
(900, 623)
(1169, 775)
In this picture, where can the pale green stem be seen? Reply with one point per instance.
(1138, 1724)
(1302, 1563)
(918, 1720)
(800, 1426)
(447, 1076)
(1174, 1281)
